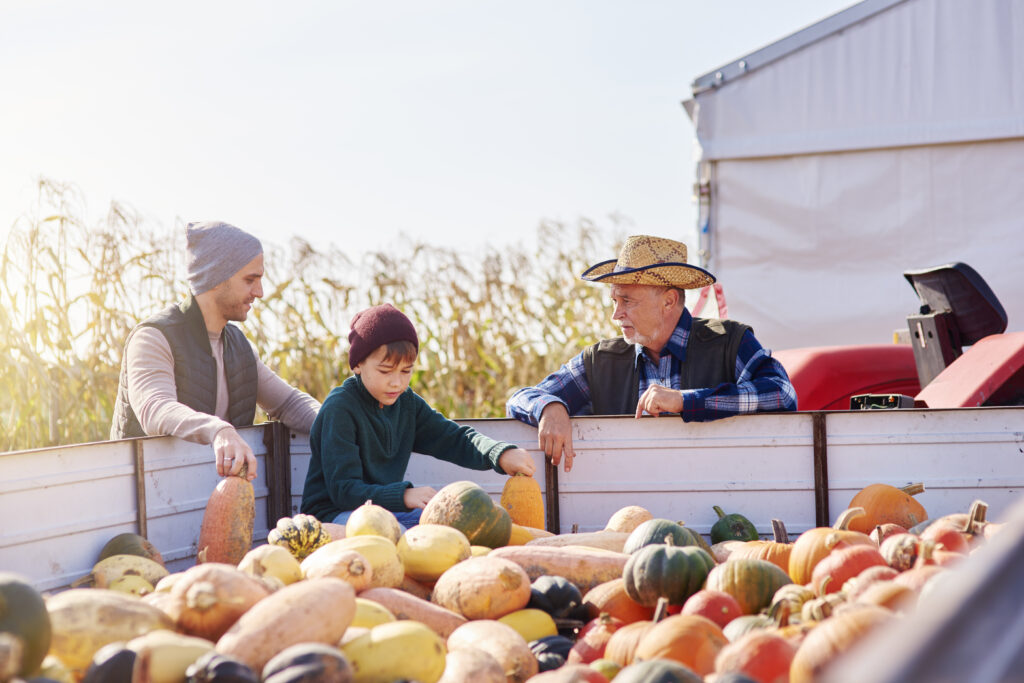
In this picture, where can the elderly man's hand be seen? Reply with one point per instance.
(231, 451)
(657, 399)
(554, 434)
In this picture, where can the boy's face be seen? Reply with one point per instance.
(385, 380)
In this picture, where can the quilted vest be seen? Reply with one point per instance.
(195, 370)
(614, 378)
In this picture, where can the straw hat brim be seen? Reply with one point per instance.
(681, 275)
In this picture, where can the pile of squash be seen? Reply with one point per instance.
(474, 593)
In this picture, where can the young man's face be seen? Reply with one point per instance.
(640, 312)
(235, 295)
(385, 380)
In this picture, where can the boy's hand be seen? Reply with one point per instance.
(516, 460)
(418, 497)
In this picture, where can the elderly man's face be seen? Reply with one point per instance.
(642, 312)
(235, 295)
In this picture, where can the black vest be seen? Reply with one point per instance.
(614, 378)
(195, 370)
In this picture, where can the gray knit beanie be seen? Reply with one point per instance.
(216, 251)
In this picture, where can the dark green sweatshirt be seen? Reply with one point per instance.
(360, 450)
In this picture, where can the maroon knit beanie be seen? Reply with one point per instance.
(376, 327)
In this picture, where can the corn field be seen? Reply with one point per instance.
(71, 289)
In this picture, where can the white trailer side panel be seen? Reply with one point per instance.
(63, 504)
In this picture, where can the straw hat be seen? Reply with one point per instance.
(646, 260)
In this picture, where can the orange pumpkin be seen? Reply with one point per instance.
(611, 597)
(522, 499)
(833, 636)
(885, 504)
(762, 655)
(621, 647)
(689, 639)
(812, 545)
(776, 551)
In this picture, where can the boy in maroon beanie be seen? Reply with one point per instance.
(368, 427)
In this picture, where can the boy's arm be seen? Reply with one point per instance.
(445, 439)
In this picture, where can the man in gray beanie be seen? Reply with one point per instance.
(189, 373)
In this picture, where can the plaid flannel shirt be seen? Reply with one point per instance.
(762, 384)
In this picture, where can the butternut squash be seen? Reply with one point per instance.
(271, 560)
(605, 540)
(85, 619)
(501, 642)
(379, 551)
(313, 610)
(210, 597)
(405, 606)
(341, 562)
(483, 588)
(585, 567)
(628, 518)
(226, 531)
(471, 665)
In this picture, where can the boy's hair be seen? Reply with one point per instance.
(400, 351)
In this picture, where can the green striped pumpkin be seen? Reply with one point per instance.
(654, 531)
(657, 571)
(465, 506)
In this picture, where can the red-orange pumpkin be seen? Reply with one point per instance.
(593, 639)
(718, 606)
(762, 655)
(226, 531)
(843, 563)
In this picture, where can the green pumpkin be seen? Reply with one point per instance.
(131, 544)
(654, 531)
(657, 671)
(23, 614)
(657, 571)
(752, 582)
(732, 527)
(465, 506)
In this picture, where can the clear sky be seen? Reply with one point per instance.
(456, 122)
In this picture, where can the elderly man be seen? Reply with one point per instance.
(666, 360)
(189, 373)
